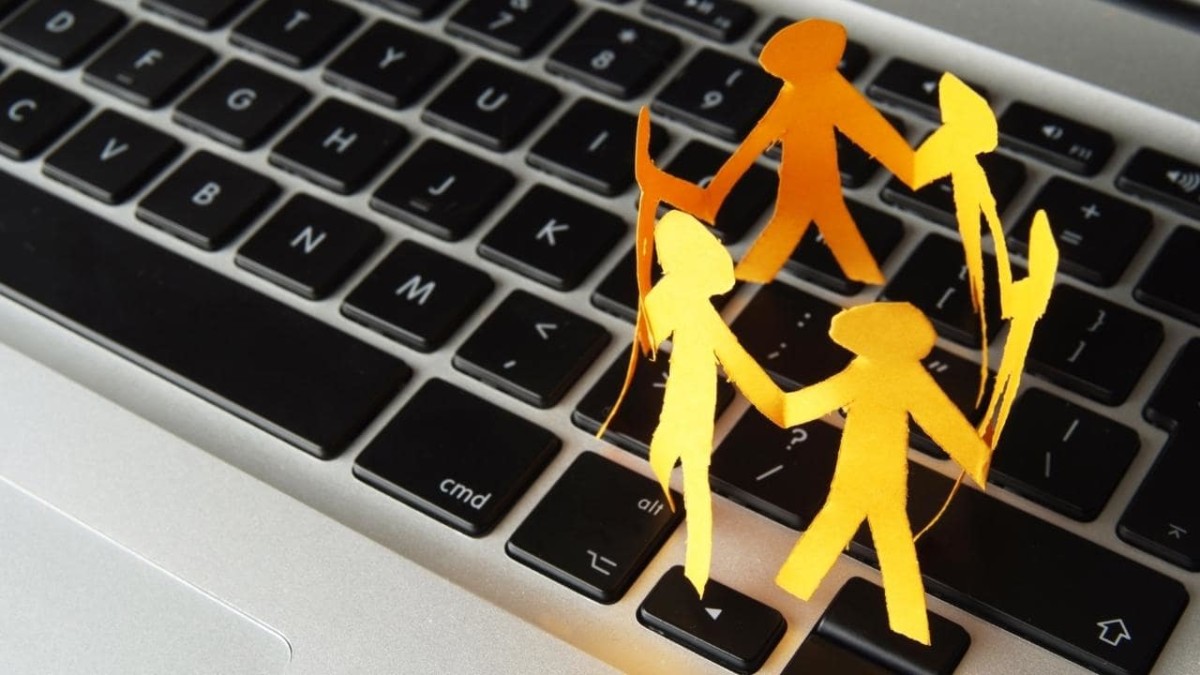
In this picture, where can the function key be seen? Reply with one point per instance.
(309, 247)
(240, 105)
(147, 65)
(721, 20)
(338, 146)
(1161, 178)
(1062, 456)
(911, 86)
(596, 529)
(718, 94)
(417, 296)
(202, 14)
(698, 162)
(857, 620)
(813, 261)
(491, 105)
(854, 58)
(1172, 282)
(1092, 346)
(1177, 397)
(295, 33)
(787, 331)
(1097, 234)
(531, 349)
(592, 145)
(456, 458)
(37, 112)
(552, 238)
(725, 626)
(60, 33)
(442, 191)
(614, 55)
(1055, 139)
(516, 28)
(1164, 516)
(207, 200)
(111, 157)
(936, 200)
(390, 65)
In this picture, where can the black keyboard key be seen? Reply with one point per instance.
(36, 113)
(491, 105)
(516, 28)
(698, 162)
(418, 296)
(1177, 397)
(147, 66)
(911, 86)
(1038, 581)
(727, 627)
(390, 65)
(207, 200)
(1172, 282)
(60, 33)
(240, 105)
(818, 654)
(813, 261)
(787, 331)
(442, 191)
(936, 200)
(1164, 516)
(111, 157)
(592, 145)
(456, 458)
(211, 335)
(202, 14)
(1097, 234)
(531, 349)
(635, 422)
(1055, 139)
(1092, 346)
(721, 20)
(416, 9)
(758, 464)
(309, 247)
(552, 238)
(596, 529)
(296, 33)
(934, 278)
(718, 94)
(1163, 179)
(1062, 456)
(614, 54)
(338, 146)
(857, 620)
(854, 58)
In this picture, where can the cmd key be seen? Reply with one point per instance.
(209, 334)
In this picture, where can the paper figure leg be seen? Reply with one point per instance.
(818, 549)
(902, 586)
(697, 500)
(770, 251)
(841, 234)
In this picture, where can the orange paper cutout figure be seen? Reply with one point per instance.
(696, 267)
(884, 384)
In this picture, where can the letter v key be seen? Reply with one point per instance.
(112, 148)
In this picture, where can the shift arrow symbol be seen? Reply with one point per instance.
(544, 329)
(1113, 631)
(713, 612)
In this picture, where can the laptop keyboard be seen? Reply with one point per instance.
(483, 120)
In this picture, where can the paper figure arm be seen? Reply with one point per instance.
(768, 130)
(941, 419)
(817, 400)
(871, 131)
(660, 185)
(748, 376)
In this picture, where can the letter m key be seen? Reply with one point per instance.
(414, 290)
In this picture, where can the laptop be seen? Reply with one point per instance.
(311, 310)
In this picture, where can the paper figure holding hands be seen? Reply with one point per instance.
(884, 384)
(696, 267)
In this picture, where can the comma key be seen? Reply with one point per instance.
(596, 529)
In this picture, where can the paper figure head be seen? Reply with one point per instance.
(885, 331)
(969, 114)
(688, 251)
(810, 46)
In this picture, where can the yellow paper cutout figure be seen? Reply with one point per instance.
(884, 384)
(696, 267)
(968, 130)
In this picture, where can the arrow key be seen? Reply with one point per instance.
(531, 349)
(726, 627)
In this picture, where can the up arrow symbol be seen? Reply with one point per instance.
(1113, 631)
(713, 612)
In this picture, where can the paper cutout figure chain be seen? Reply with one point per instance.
(885, 383)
